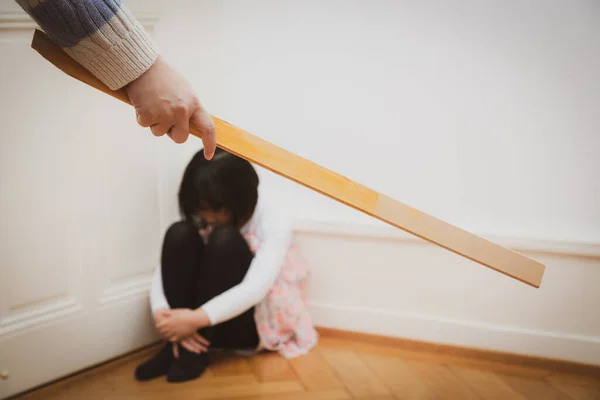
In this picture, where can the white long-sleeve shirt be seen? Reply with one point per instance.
(273, 232)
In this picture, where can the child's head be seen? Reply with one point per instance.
(222, 190)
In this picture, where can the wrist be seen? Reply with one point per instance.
(140, 81)
(201, 318)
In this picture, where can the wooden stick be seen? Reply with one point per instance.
(333, 185)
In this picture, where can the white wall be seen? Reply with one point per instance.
(484, 114)
(371, 280)
(421, 93)
(481, 113)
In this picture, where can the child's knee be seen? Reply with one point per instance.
(182, 232)
(224, 238)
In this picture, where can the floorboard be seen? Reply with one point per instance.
(339, 368)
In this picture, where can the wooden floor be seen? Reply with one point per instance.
(339, 368)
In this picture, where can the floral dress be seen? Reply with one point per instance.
(282, 317)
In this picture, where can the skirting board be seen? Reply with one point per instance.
(485, 356)
(550, 340)
(571, 348)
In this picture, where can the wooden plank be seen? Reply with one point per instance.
(591, 380)
(192, 390)
(334, 394)
(535, 389)
(358, 379)
(491, 360)
(209, 379)
(225, 364)
(439, 380)
(334, 185)
(427, 378)
(314, 372)
(486, 384)
(271, 367)
(577, 392)
(398, 376)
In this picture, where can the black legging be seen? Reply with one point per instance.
(193, 273)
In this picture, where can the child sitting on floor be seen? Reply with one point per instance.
(230, 276)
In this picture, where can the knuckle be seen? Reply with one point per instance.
(156, 132)
(180, 109)
(210, 129)
(179, 137)
(144, 118)
(195, 102)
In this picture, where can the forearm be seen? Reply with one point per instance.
(158, 300)
(102, 35)
(264, 270)
(230, 304)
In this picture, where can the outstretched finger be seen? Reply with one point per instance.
(203, 121)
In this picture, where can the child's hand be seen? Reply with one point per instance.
(174, 325)
(195, 343)
(159, 316)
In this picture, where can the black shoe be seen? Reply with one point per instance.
(157, 366)
(188, 366)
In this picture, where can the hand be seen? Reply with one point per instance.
(195, 343)
(175, 347)
(159, 316)
(165, 102)
(180, 323)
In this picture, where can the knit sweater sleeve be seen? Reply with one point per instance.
(102, 35)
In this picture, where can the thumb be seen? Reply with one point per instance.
(208, 132)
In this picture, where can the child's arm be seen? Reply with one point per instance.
(157, 295)
(276, 232)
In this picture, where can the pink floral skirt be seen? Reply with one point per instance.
(282, 318)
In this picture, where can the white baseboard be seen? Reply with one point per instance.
(442, 330)
(556, 321)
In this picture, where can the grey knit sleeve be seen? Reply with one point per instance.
(102, 35)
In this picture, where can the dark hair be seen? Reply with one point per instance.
(225, 181)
